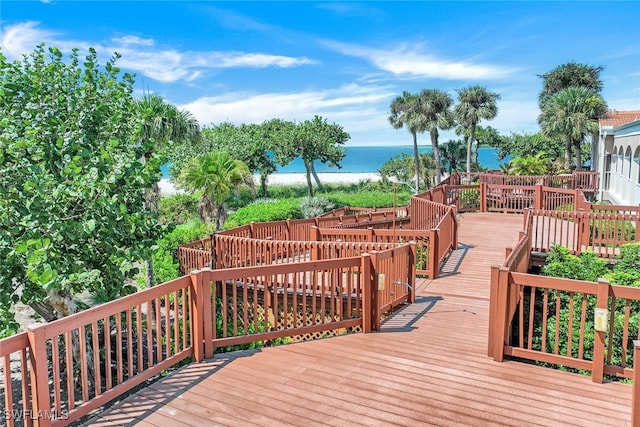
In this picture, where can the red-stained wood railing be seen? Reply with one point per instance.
(15, 389)
(553, 320)
(80, 362)
(55, 373)
(601, 233)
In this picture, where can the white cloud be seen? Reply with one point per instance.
(260, 60)
(133, 40)
(18, 39)
(359, 109)
(411, 62)
(142, 56)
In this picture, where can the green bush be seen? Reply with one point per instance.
(561, 263)
(312, 207)
(165, 258)
(369, 199)
(264, 210)
(178, 208)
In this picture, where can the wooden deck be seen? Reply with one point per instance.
(428, 366)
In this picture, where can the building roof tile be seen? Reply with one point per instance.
(619, 118)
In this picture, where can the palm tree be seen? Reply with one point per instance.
(475, 103)
(452, 153)
(406, 111)
(218, 176)
(436, 107)
(161, 125)
(572, 114)
(568, 75)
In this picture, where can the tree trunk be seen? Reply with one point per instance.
(315, 176)
(472, 136)
(436, 155)
(308, 176)
(263, 185)
(416, 161)
(578, 155)
(567, 155)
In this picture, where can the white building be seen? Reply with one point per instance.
(617, 157)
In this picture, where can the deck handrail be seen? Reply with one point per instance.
(120, 344)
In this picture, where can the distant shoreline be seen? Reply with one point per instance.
(280, 178)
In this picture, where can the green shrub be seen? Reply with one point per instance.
(178, 208)
(369, 199)
(561, 263)
(312, 207)
(264, 210)
(165, 258)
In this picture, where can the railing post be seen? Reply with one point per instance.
(493, 301)
(602, 303)
(500, 324)
(252, 230)
(367, 293)
(214, 253)
(315, 249)
(434, 258)
(538, 199)
(483, 196)
(412, 272)
(635, 390)
(41, 403)
(197, 324)
(582, 238)
(375, 303)
(454, 231)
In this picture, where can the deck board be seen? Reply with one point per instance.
(427, 366)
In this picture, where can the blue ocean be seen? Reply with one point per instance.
(370, 159)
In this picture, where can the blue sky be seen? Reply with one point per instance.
(247, 62)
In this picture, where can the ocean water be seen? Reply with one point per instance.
(370, 159)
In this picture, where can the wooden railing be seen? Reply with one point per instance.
(601, 233)
(60, 371)
(74, 365)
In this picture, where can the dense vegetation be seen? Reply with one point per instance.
(80, 160)
(588, 267)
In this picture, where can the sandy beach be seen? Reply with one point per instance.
(168, 188)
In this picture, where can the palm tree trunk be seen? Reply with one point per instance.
(416, 161)
(567, 155)
(436, 155)
(472, 136)
(578, 155)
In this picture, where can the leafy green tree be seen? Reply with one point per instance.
(521, 145)
(571, 114)
(484, 136)
(436, 108)
(399, 169)
(217, 175)
(250, 143)
(475, 104)
(406, 112)
(72, 183)
(311, 140)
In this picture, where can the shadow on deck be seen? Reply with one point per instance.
(427, 366)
